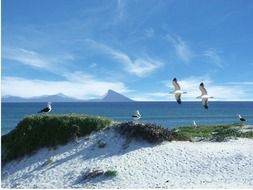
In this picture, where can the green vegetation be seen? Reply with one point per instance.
(48, 131)
(111, 173)
(156, 134)
(213, 133)
(38, 131)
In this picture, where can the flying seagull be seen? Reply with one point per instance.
(136, 115)
(177, 91)
(204, 96)
(46, 109)
(241, 118)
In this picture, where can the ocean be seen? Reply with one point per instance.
(165, 114)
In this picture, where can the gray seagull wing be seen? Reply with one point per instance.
(176, 85)
(202, 89)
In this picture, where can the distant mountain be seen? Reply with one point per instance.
(46, 98)
(110, 96)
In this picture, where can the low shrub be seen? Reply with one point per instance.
(111, 173)
(38, 131)
(221, 134)
(150, 132)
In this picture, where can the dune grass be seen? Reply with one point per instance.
(39, 131)
(213, 132)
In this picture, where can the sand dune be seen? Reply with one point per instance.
(138, 164)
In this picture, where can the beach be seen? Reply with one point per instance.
(138, 164)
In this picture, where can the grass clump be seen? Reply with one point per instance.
(39, 131)
(94, 173)
(216, 133)
(111, 173)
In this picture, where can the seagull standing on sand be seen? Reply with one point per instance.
(46, 109)
(136, 115)
(177, 91)
(241, 118)
(204, 96)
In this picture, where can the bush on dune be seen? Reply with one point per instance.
(156, 134)
(150, 132)
(38, 131)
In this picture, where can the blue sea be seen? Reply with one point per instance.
(166, 114)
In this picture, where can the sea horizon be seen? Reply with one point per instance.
(167, 114)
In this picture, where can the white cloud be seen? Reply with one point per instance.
(37, 60)
(182, 49)
(214, 57)
(151, 96)
(140, 67)
(26, 57)
(78, 85)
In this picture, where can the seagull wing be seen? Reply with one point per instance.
(178, 98)
(205, 102)
(202, 89)
(175, 84)
(44, 110)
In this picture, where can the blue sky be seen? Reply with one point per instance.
(83, 48)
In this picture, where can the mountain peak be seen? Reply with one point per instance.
(112, 96)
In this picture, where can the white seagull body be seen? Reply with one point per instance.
(195, 124)
(177, 91)
(136, 115)
(204, 96)
(46, 109)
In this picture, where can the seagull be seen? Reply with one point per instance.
(195, 124)
(241, 118)
(136, 115)
(177, 91)
(204, 96)
(46, 109)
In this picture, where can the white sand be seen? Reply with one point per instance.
(140, 165)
